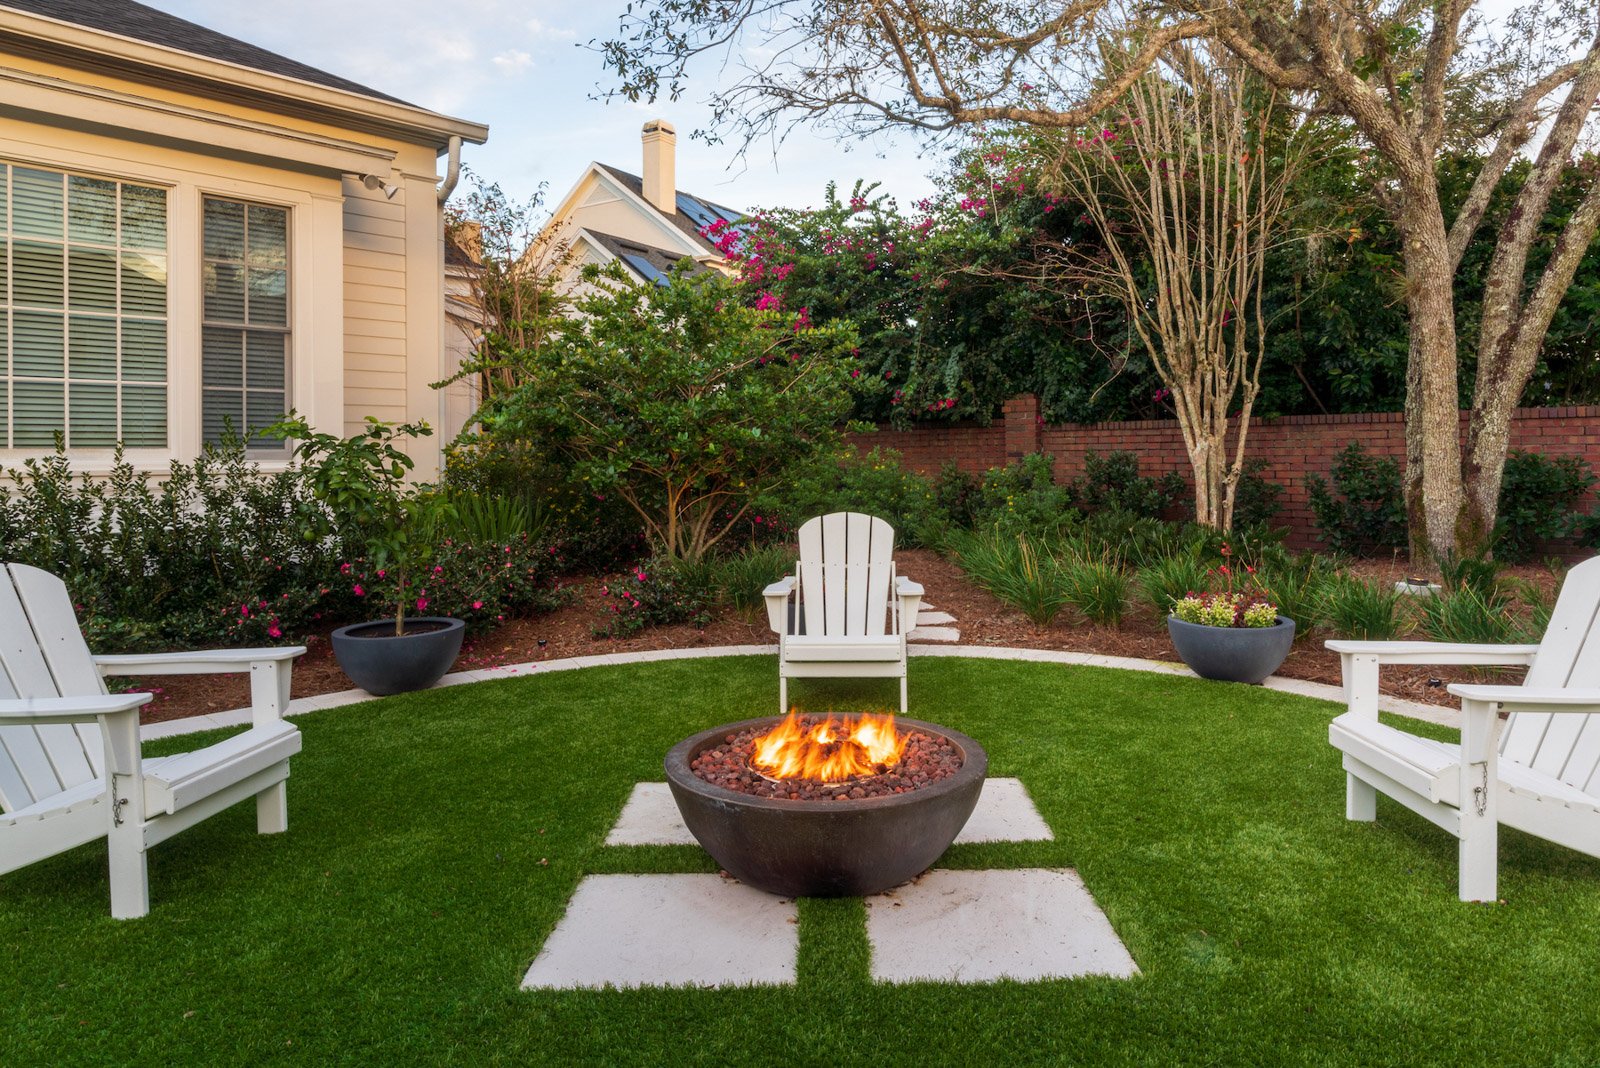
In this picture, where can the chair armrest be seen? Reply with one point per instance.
(1524, 699)
(909, 594)
(199, 662)
(777, 596)
(904, 587)
(34, 710)
(1438, 653)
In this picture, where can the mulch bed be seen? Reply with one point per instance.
(981, 618)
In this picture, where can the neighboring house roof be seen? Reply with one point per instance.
(456, 254)
(128, 19)
(694, 213)
(648, 263)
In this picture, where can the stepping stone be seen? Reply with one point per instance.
(981, 926)
(630, 931)
(926, 618)
(1005, 813)
(934, 634)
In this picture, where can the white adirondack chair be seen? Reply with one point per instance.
(1542, 776)
(70, 765)
(844, 613)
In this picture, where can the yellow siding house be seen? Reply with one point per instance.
(195, 232)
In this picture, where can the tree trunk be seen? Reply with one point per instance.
(1433, 427)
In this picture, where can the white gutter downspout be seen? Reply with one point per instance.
(452, 174)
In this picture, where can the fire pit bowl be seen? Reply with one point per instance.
(825, 848)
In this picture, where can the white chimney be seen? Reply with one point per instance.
(660, 165)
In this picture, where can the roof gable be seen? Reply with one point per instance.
(693, 214)
(126, 18)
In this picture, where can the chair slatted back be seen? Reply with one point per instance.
(1566, 746)
(845, 573)
(43, 654)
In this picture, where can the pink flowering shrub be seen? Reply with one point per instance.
(656, 593)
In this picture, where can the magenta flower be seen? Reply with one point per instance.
(357, 590)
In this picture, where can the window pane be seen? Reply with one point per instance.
(224, 230)
(5, 263)
(5, 411)
(144, 351)
(5, 351)
(91, 348)
(264, 409)
(144, 417)
(221, 412)
(5, 208)
(224, 292)
(144, 284)
(92, 279)
(269, 237)
(37, 201)
(144, 217)
(38, 414)
(36, 270)
(269, 298)
(92, 410)
(91, 210)
(264, 360)
(222, 357)
(37, 350)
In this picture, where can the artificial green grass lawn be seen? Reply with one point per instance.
(435, 839)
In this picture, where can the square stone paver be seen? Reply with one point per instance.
(1005, 813)
(668, 930)
(980, 926)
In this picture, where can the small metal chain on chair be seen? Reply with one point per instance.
(1480, 794)
(116, 803)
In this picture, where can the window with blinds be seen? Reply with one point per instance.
(83, 311)
(244, 351)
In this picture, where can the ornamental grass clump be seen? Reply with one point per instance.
(1242, 602)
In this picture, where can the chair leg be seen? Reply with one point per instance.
(130, 875)
(1360, 799)
(272, 809)
(783, 695)
(902, 695)
(1479, 857)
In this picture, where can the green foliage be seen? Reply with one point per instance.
(361, 484)
(1113, 483)
(1098, 587)
(1295, 585)
(657, 593)
(1167, 580)
(1466, 572)
(1014, 569)
(681, 401)
(741, 577)
(1540, 607)
(1023, 496)
(212, 554)
(491, 520)
(1257, 499)
(1538, 502)
(1359, 609)
(1468, 614)
(876, 484)
(1364, 511)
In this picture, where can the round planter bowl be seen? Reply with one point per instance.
(382, 662)
(1232, 654)
(825, 848)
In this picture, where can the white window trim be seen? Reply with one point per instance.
(316, 310)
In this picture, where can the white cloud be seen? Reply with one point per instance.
(543, 32)
(514, 61)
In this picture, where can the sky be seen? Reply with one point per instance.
(521, 67)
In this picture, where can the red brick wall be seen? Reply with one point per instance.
(1293, 446)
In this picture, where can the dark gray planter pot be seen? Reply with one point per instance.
(1232, 654)
(382, 662)
(825, 848)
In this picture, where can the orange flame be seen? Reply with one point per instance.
(830, 751)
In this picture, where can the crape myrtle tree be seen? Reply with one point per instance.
(682, 400)
(1186, 183)
(1412, 79)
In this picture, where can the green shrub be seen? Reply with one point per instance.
(1478, 573)
(1364, 511)
(741, 578)
(1357, 609)
(1113, 483)
(1022, 497)
(1256, 502)
(1166, 581)
(1469, 615)
(956, 497)
(657, 593)
(1538, 501)
(1014, 569)
(877, 484)
(1294, 584)
(1540, 607)
(1097, 587)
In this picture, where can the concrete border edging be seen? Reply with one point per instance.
(239, 717)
